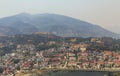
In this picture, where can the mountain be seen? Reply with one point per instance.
(7, 31)
(57, 24)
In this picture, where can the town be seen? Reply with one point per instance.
(68, 56)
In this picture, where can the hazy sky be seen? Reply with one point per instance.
(105, 13)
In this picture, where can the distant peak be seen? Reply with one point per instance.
(46, 14)
(23, 14)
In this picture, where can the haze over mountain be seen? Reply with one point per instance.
(57, 24)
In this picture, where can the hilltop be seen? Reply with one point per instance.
(59, 25)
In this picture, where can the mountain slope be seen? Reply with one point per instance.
(57, 24)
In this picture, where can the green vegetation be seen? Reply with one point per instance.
(44, 47)
(113, 74)
(1, 70)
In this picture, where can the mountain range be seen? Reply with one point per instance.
(59, 25)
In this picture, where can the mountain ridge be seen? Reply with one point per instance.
(59, 25)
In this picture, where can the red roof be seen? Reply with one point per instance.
(27, 64)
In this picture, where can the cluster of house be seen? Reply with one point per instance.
(25, 59)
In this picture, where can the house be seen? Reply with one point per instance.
(72, 58)
(81, 46)
(27, 65)
(94, 39)
(47, 59)
(51, 42)
(99, 64)
(18, 46)
(71, 54)
(56, 64)
(72, 63)
(43, 63)
(73, 40)
(9, 71)
(108, 53)
(117, 63)
(1, 45)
